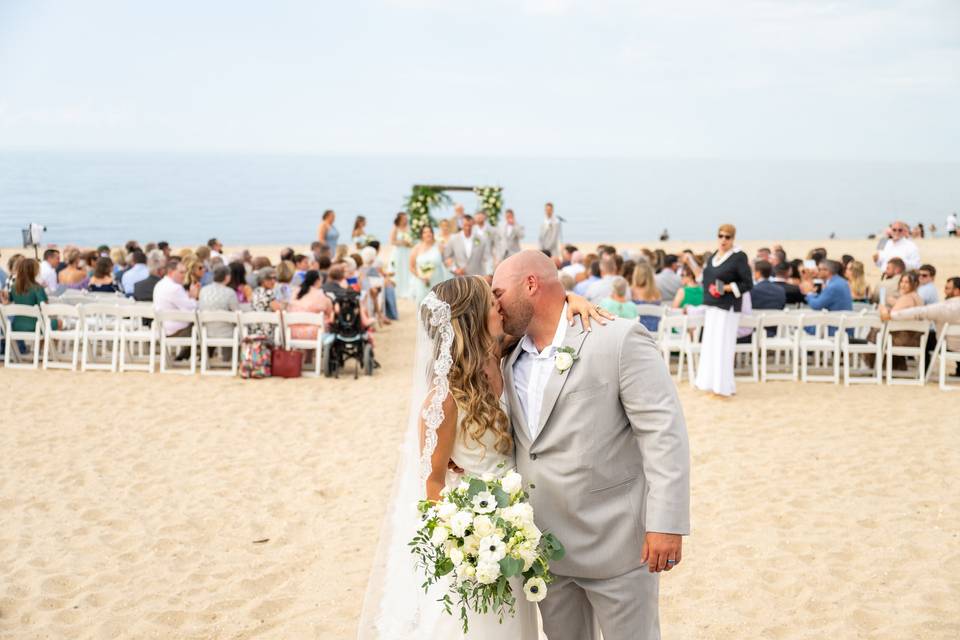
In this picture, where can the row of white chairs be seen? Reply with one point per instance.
(126, 337)
(780, 347)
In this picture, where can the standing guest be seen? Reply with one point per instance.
(359, 234)
(940, 313)
(48, 271)
(468, 252)
(458, 216)
(602, 287)
(726, 277)
(593, 275)
(26, 290)
(766, 294)
(443, 235)
(952, 225)
(617, 302)
(927, 289)
(73, 275)
(835, 294)
(310, 298)
(374, 283)
(102, 280)
(859, 289)
(402, 242)
(139, 271)
(482, 230)
(169, 295)
(510, 236)
(426, 265)
(328, 234)
(216, 248)
(668, 281)
(550, 232)
(238, 282)
(284, 288)
(143, 290)
(691, 293)
(781, 276)
(217, 296)
(898, 246)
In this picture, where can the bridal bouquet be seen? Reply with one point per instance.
(480, 534)
(426, 270)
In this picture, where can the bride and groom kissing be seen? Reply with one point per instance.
(590, 419)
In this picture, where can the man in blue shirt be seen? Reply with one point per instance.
(835, 294)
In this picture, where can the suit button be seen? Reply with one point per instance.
(533, 456)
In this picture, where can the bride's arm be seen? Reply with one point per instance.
(580, 306)
(439, 461)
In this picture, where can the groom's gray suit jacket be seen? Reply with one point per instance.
(611, 459)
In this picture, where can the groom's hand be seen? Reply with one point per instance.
(659, 548)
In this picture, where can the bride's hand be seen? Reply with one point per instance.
(580, 306)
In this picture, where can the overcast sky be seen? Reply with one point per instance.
(865, 79)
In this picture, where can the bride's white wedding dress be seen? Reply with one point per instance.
(477, 459)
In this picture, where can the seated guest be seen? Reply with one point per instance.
(265, 294)
(781, 274)
(26, 290)
(143, 290)
(169, 295)
(601, 288)
(310, 298)
(284, 288)
(567, 281)
(73, 275)
(643, 288)
(216, 248)
(204, 255)
(835, 294)
(48, 271)
(618, 303)
(592, 276)
(301, 265)
(940, 313)
(691, 293)
(908, 299)
(139, 271)
(928, 289)
(119, 258)
(256, 264)
(575, 267)
(217, 296)
(668, 281)
(336, 283)
(196, 270)
(859, 289)
(238, 282)
(766, 294)
(102, 279)
(889, 288)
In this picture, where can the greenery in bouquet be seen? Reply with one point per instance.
(478, 536)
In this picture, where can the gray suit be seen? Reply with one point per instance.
(479, 258)
(509, 243)
(610, 461)
(550, 236)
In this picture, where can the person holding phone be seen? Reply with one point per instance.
(726, 277)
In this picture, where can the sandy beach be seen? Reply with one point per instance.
(176, 507)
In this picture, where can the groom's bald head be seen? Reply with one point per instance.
(522, 284)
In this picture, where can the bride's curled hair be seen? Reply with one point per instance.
(470, 301)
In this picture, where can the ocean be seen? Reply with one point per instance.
(185, 198)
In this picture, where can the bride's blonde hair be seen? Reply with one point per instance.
(470, 300)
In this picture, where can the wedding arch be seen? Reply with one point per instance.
(426, 198)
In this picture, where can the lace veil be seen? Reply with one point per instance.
(394, 598)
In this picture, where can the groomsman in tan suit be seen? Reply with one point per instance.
(550, 232)
(600, 434)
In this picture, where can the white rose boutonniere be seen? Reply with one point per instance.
(565, 358)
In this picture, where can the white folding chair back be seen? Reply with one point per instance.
(172, 342)
(691, 346)
(784, 341)
(853, 352)
(821, 344)
(652, 311)
(298, 319)
(216, 320)
(138, 332)
(672, 329)
(749, 349)
(921, 327)
(11, 337)
(944, 353)
(251, 321)
(101, 332)
(63, 330)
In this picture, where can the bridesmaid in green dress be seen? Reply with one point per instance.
(426, 265)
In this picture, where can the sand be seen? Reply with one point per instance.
(139, 506)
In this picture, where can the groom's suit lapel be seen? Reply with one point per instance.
(519, 418)
(574, 339)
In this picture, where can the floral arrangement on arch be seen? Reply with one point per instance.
(491, 202)
(420, 203)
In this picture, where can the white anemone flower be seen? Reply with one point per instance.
(535, 589)
(484, 502)
(492, 549)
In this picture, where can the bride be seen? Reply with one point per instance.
(458, 425)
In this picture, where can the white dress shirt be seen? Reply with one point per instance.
(48, 277)
(468, 243)
(170, 296)
(532, 370)
(903, 248)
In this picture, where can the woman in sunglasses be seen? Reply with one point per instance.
(726, 277)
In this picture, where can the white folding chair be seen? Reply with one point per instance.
(853, 352)
(749, 349)
(138, 328)
(656, 311)
(944, 353)
(174, 342)
(306, 344)
(11, 337)
(920, 353)
(673, 327)
(821, 344)
(101, 332)
(63, 330)
(783, 341)
(691, 347)
(229, 320)
(251, 321)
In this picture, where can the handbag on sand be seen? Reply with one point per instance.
(255, 357)
(286, 362)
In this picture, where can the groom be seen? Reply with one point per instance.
(603, 443)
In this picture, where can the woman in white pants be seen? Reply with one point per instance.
(726, 277)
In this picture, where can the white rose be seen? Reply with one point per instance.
(439, 536)
(535, 589)
(563, 361)
(528, 554)
(463, 486)
(471, 545)
(460, 522)
(511, 482)
(446, 509)
(456, 556)
(465, 571)
(519, 515)
(492, 549)
(532, 533)
(484, 502)
(483, 526)
(488, 572)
